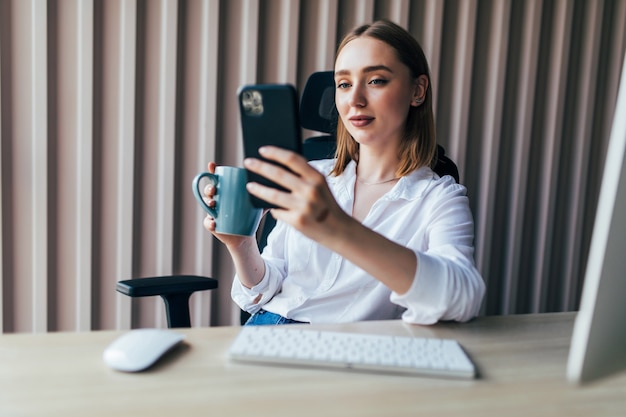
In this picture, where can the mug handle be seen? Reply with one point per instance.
(198, 194)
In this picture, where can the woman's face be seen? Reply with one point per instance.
(374, 92)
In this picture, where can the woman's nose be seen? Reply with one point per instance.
(357, 96)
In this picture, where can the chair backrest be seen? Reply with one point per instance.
(445, 165)
(318, 113)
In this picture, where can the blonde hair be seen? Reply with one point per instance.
(419, 145)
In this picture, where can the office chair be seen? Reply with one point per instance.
(317, 113)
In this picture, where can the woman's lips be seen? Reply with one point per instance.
(361, 121)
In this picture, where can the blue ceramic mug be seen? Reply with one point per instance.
(234, 214)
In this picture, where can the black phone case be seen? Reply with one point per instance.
(269, 116)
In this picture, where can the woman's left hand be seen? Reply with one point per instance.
(309, 203)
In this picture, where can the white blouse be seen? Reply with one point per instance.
(307, 282)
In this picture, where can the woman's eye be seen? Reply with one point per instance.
(378, 81)
(343, 85)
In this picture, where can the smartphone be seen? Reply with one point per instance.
(269, 116)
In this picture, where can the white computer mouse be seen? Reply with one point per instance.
(139, 349)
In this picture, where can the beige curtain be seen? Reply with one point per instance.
(108, 108)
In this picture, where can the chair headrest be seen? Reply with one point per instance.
(317, 106)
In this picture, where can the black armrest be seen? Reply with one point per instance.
(175, 291)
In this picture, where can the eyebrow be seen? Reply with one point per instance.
(371, 68)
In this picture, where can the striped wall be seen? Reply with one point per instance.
(108, 108)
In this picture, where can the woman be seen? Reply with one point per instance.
(374, 233)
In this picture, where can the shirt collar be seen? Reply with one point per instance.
(414, 185)
(409, 187)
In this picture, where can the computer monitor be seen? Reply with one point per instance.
(598, 345)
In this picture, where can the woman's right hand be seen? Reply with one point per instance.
(244, 250)
(231, 241)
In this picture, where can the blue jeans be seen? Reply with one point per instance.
(265, 318)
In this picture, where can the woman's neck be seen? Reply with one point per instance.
(375, 169)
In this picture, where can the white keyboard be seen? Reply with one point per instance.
(296, 346)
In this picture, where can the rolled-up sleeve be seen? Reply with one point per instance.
(447, 285)
(443, 289)
(275, 271)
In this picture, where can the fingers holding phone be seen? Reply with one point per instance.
(306, 200)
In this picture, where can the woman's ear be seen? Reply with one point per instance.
(419, 94)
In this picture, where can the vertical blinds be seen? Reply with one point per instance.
(109, 108)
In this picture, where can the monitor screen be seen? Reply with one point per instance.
(598, 345)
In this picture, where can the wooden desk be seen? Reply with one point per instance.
(521, 360)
